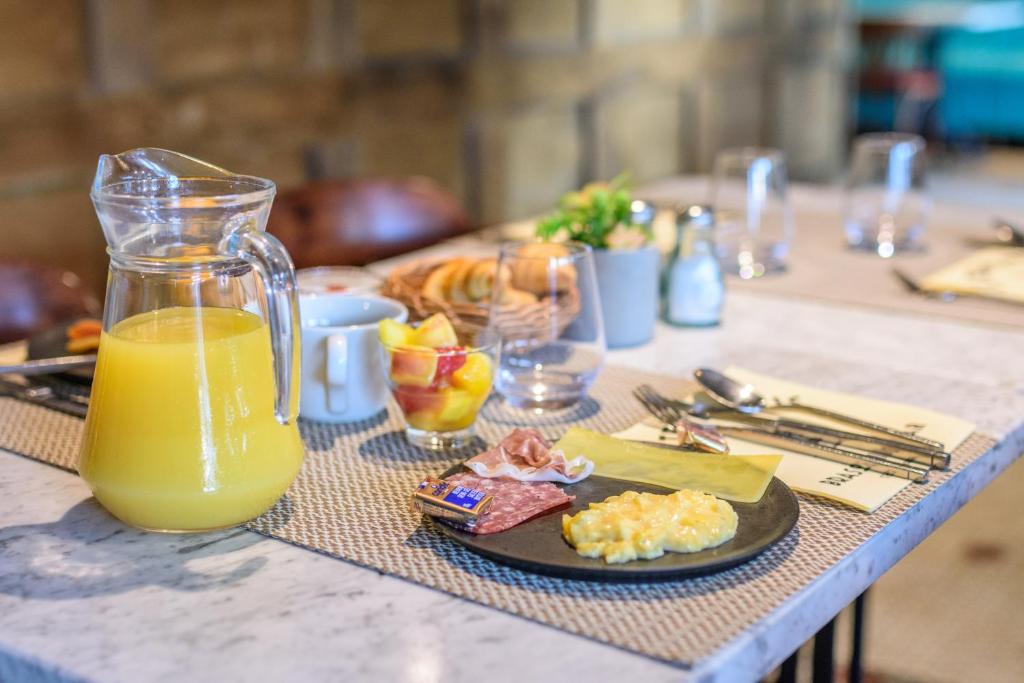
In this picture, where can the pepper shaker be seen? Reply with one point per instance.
(692, 284)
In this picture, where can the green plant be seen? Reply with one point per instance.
(593, 215)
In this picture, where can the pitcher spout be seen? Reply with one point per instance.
(158, 203)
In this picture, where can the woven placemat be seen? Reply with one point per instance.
(350, 502)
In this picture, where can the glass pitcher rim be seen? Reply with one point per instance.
(206, 263)
(250, 189)
(210, 201)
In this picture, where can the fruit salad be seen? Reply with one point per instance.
(438, 383)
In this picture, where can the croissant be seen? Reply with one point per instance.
(480, 282)
(438, 284)
(531, 272)
(457, 292)
(466, 281)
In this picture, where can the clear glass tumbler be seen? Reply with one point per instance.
(753, 221)
(886, 207)
(547, 309)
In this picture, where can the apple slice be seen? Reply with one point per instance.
(420, 401)
(435, 332)
(413, 366)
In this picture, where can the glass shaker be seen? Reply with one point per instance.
(692, 283)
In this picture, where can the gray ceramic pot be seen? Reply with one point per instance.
(627, 280)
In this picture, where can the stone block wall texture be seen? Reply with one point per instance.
(507, 103)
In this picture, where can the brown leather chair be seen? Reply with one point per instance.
(355, 222)
(34, 296)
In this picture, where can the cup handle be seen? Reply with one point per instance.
(337, 373)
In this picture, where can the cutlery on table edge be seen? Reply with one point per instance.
(912, 286)
(868, 460)
(917, 449)
(44, 396)
(1008, 234)
(45, 366)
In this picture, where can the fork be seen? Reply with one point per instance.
(914, 287)
(702, 437)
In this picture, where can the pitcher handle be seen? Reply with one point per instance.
(271, 261)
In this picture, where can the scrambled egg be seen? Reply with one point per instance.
(644, 525)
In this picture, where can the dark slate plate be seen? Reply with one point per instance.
(538, 546)
(51, 343)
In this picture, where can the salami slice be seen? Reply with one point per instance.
(514, 501)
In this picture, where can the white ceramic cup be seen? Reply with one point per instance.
(342, 379)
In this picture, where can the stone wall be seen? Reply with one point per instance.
(507, 103)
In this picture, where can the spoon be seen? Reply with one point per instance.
(744, 398)
(731, 394)
(1009, 234)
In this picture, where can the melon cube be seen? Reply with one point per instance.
(475, 374)
(435, 332)
(393, 333)
(458, 409)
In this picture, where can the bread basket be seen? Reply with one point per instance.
(537, 320)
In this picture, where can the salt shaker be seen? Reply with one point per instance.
(692, 284)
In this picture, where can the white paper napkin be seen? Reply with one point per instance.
(858, 488)
(992, 273)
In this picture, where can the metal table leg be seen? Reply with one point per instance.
(857, 650)
(788, 672)
(824, 666)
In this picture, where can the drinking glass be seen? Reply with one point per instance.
(753, 222)
(886, 207)
(547, 310)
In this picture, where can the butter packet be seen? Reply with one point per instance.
(454, 502)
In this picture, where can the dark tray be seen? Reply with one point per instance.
(537, 545)
(52, 343)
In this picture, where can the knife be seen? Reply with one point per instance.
(46, 366)
(919, 450)
(933, 457)
(42, 395)
(871, 461)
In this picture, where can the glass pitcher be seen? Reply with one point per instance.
(191, 422)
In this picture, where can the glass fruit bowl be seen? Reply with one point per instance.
(439, 383)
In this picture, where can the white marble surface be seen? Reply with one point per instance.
(82, 597)
(81, 592)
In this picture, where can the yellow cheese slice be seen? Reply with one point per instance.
(742, 478)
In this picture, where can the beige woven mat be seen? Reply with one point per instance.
(350, 502)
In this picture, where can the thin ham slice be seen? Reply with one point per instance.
(514, 501)
(526, 456)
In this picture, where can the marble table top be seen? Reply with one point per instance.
(84, 598)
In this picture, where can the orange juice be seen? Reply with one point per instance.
(181, 433)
